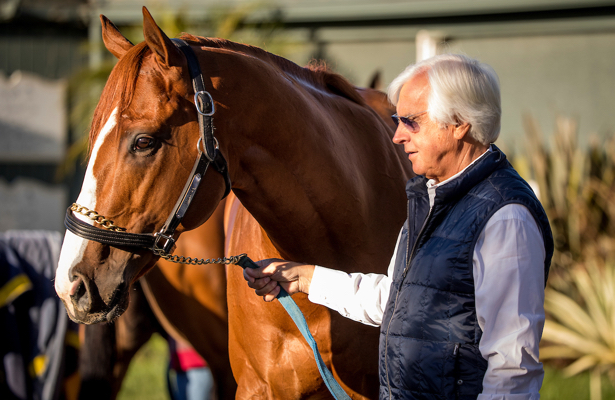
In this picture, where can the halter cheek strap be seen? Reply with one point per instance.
(202, 100)
(211, 155)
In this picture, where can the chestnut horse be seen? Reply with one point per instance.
(188, 301)
(180, 297)
(308, 159)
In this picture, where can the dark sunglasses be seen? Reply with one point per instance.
(408, 121)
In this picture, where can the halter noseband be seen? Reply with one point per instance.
(162, 242)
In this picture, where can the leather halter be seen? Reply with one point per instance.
(209, 153)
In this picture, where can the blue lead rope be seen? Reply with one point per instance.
(295, 313)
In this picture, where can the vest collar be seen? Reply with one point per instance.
(456, 188)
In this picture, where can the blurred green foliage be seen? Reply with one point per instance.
(146, 376)
(583, 330)
(576, 185)
(557, 386)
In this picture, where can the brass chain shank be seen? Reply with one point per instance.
(96, 217)
(198, 261)
(108, 224)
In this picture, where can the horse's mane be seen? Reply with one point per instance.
(316, 73)
(120, 86)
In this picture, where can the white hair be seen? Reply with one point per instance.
(462, 90)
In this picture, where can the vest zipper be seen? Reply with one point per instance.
(386, 347)
(386, 339)
(458, 381)
(414, 246)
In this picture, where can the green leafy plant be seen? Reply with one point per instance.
(582, 327)
(576, 185)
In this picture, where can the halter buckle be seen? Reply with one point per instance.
(201, 147)
(203, 102)
(168, 244)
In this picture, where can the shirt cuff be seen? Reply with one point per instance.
(319, 286)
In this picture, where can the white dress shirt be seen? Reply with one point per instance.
(508, 268)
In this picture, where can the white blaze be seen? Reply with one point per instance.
(74, 246)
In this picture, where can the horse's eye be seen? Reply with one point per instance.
(144, 143)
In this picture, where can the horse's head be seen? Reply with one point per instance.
(143, 144)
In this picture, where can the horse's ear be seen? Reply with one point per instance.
(376, 82)
(114, 41)
(160, 44)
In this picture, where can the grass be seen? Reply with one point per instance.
(557, 387)
(145, 379)
(146, 376)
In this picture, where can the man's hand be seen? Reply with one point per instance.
(273, 273)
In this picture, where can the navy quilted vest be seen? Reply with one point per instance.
(430, 334)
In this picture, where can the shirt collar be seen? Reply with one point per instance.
(432, 185)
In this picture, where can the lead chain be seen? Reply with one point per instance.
(108, 224)
(96, 217)
(197, 261)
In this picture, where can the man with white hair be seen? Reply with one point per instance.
(461, 309)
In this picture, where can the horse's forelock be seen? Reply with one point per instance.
(119, 89)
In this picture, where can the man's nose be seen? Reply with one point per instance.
(400, 137)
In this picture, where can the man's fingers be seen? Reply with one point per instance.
(259, 283)
(267, 268)
(271, 296)
(266, 289)
(253, 274)
(247, 276)
(272, 273)
(267, 261)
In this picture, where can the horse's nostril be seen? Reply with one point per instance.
(74, 285)
(88, 305)
(81, 291)
(79, 295)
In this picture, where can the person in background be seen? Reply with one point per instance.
(189, 377)
(461, 308)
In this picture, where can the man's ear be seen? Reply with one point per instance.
(460, 130)
(166, 53)
(114, 41)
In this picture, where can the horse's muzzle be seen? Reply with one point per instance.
(88, 305)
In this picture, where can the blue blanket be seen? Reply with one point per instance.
(38, 343)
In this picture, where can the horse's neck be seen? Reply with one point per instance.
(317, 191)
(244, 234)
(317, 171)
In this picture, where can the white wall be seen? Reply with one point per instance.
(542, 76)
